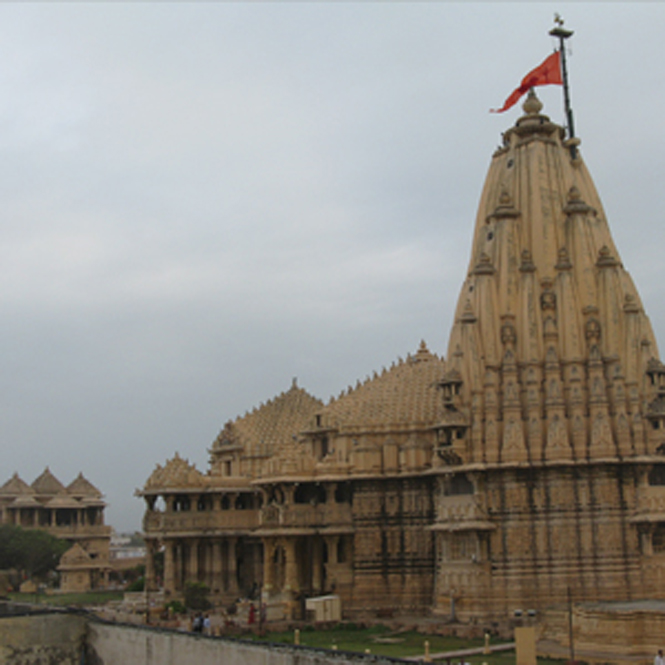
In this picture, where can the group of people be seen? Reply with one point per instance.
(201, 624)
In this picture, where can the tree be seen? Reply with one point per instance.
(136, 540)
(196, 596)
(30, 551)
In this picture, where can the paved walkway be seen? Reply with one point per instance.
(552, 649)
(462, 653)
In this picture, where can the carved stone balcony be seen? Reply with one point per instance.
(461, 513)
(650, 505)
(76, 531)
(157, 522)
(322, 516)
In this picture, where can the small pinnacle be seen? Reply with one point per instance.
(532, 105)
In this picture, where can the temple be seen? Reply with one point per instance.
(529, 463)
(74, 513)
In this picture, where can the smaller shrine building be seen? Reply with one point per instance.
(74, 513)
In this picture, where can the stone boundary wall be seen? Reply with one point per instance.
(110, 644)
(31, 636)
(620, 630)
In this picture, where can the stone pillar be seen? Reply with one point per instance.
(289, 491)
(290, 566)
(647, 541)
(232, 562)
(180, 565)
(209, 563)
(169, 567)
(216, 581)
(331, 567)
(317, 565)
(150, 582)
(204, 562)
(268, 569)
(192, 574)
(331, 544)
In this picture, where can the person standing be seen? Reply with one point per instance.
(659, 660)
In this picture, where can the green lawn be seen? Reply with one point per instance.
(68, 599)
(380, 640)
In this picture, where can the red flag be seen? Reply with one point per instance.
(549, 71)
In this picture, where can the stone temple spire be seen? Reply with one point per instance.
(550, 337)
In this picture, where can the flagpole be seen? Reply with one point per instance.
(563, 34)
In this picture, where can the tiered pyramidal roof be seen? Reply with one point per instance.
(47, 490)
(270, 427)
(406, 394)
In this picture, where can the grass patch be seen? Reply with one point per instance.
(381, 641)
(68, 599)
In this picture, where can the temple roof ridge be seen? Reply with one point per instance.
(46, 483)
(177, 472)
(16, 486)
(405, 392)
(82, 487)
(63, 500)
(270, 428)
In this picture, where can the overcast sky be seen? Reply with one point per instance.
(199, 202)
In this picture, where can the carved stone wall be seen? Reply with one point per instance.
(393, 544)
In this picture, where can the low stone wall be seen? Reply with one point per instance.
(633, 630)
(108, 644)
(30, 636)
(53, 638)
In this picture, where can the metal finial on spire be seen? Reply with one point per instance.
(563, 34)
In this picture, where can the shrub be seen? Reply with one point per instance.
(137, 585)
(176, 607)
(196, 596)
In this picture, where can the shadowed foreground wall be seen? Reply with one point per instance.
(61, 638)
(49, 638)
(109, 644)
